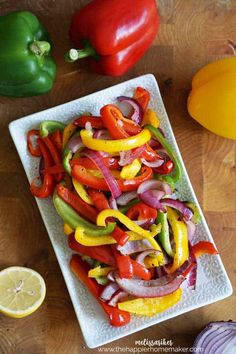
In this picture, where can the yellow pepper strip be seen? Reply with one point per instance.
(67, 229)
(150, 117)
(118, 145)
(131, 170)
(82, 191)
(180, 234)
(99, 272)
(67, 133)
(150, 306)
(106, 213)
(151, 262)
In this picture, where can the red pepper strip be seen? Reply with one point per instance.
(34, 150)
(124, 264)
(111, 162)
(80, 268)
(55, 155)
(101, 203)
(84, 177)
(142, 96)
(140, 271)
(77, 203)
(141, 211)
(203, 247)
(56, 138)
(166, 168)
(55, 169)
(96, 122)
(46, 189)
(116, 123)
(100, 253)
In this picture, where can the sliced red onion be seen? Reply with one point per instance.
(110, 276)
(75, 143)
(160, 271)
(125, 198)
(112, 203)
(152, 198)
(154, 184)
(109, 291)
(109, 178)
(140, 258)
(217, 338)
(131, 247)
(155, 144)
(137, 115)
(142, 288)
(153, 164)
(191, 228)
(119, 295)
(126, 157)
(101, 134)
(145, 223)
(180, 206)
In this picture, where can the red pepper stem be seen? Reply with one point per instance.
(76, 54)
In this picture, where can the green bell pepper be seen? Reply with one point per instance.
(49, 126)
(164, 235)
(26, 68)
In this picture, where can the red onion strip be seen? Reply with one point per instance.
(137, 115)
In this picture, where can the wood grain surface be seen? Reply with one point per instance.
(192, 33)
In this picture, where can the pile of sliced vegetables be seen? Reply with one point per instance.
(112, 178)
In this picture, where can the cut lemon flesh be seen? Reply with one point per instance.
(22, 291)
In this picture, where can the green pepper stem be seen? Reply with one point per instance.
(40, 47)
(76, 54)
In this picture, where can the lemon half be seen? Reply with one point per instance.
(22, 291)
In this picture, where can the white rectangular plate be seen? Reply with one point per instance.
(212, 281)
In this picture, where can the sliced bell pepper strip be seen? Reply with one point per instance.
(96, 122)
(126, 144)
(151, 262)
(102, 254)
(204, 247)
(124, 209)
(83, 176)
(142, 96)
(140, 271)
(131, 170)
(101, 203)
(150, 306)
(166, 145)
(67, 133)
(81, 191)
(46, 189)
(180, 235)
(164, 235)
(77, 203)
(99, 271)
(34, 150)
(73, 219)
(150, 117)
(56, 138)
(80, 269)
(67, 230)
(55, 155)
(124, 264)
(49, 126)
(196, 215)
(111, 162)
(141, 211)
(67, 156)
(55, 169)
(166, 168)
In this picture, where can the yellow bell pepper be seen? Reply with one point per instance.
(106, 213)
(118, 145)
(151, 262)
(150, 306)
(67, 133)
(99, 272)
(67, 230)
(82, 191)
(180, 235)
(212, 99)
(150, 117)
(131, 170)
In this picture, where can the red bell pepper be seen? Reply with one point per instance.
(96, 122)
(55, 169)
(111, 162)
(83, 208)
(46, 189)
(86, 178)
(55, 155)
(80, 268)
(101, 203)
(102, 254)
(141, 211)
(56, 138)
(142, 96)
(34, 149)
(124, 264)
(203, 247)
(166, 168)
(141, 271)
(114, 33)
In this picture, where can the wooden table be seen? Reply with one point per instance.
(192, 34)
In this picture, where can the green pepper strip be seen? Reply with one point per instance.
(67, 156)
(49, 126)
(166, 145)
(164, 235)
(196, 216)
(74, 220)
